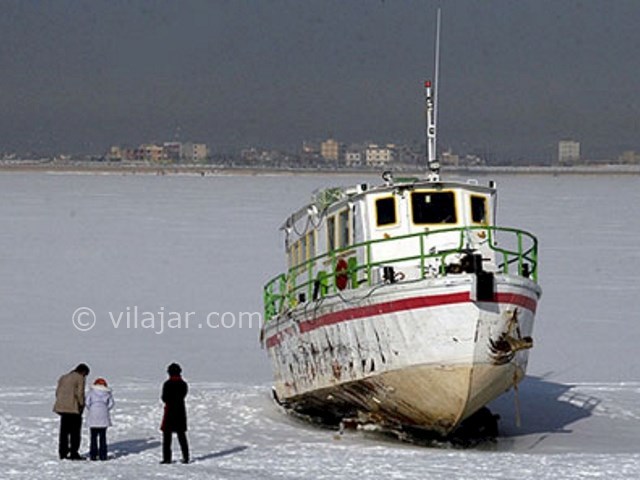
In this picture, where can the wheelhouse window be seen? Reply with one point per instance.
(433, 208)
(303, 255)
(290, 255)
(311, 244)
(479, 209)
(294, 251)
(298, 255)
(386, 211)
(343, 229)
(331, 233)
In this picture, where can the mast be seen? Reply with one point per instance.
(431, 106)
(432, 162)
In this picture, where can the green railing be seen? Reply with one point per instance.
(304, 282)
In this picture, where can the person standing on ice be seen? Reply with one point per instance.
(99, 404)
(69, 405)
(174, 391)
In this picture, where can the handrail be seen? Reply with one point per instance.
(290, 292)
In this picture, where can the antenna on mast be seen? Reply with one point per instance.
(436, 75)
(431, 105)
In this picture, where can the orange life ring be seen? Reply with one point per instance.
(341, 274)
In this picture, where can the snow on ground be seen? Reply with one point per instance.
(208, 244)
(237, 432)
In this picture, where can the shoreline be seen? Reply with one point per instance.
(217, 170)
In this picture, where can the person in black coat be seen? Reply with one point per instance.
(174, 392)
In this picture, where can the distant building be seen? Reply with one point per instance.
(172, 151)
(472, 160)
(409, 155)
(168, 152)
(310, 148)
(115, 154)
(250, 154)
(330, 150)
(568, 152)
(152, 153)
(449, 158)
(194, 152)
(629, 157)
(353, 156)
(377, 156)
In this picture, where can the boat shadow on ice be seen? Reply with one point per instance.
(543, 407)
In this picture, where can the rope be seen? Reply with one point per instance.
(309, 223)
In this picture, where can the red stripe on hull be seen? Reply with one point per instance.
(515, 299)
(383, 308)
(398, 306)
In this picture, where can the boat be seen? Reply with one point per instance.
(404, 304)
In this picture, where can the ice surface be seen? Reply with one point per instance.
(208, 244)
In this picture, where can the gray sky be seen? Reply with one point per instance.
(516, 76)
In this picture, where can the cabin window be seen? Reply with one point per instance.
(433, 207)
(293, 254)
(479, 209)
(331, 233)
(386, 211)
(343, 229)
(311, 244)
(296, 253)
(303, 249)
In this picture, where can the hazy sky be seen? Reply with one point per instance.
(516, 76)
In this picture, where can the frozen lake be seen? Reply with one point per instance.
(136, 247)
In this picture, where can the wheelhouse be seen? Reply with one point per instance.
(404, 230)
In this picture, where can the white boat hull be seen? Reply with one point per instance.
(424, 353)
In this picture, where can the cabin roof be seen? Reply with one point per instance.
(333, 196)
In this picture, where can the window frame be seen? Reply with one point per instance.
(343, 215)
(485, 202)
(331, 233)
(294, 250)
(302, 255)
(456, 210)
(395, 210)
(311, 244)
